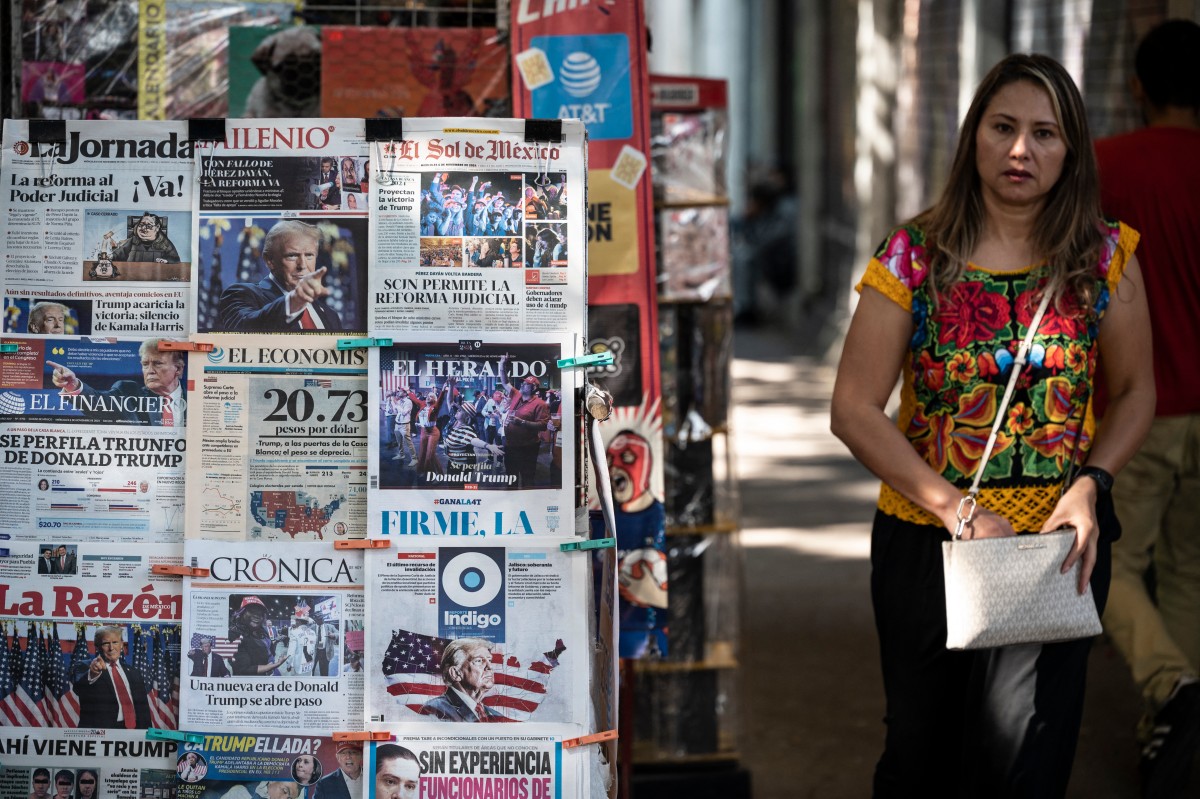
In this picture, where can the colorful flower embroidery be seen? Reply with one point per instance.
(970, 313)
(1077, 358)
(930, 372)
(904, 257)
(1020, 419)
(957, 440)
(961, 367)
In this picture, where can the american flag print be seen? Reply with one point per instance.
(411, 667)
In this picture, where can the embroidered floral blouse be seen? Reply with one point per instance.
(959, 360)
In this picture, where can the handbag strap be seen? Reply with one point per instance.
(966, 506)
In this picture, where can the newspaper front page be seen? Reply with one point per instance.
(98, 230)
(285, 622)
(278, 440)
(90, 635)
(86, 764)
(471, 767)
(472, 437)
(269, 766)
(475, 228)
(490, 634)
(92, 437)
(281, 228)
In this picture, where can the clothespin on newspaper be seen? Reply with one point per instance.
(362, 343)
(9, 346)
(155, 734)
(185, 346)
(595, 359)
(382, 135)
(205, 129)
(183, 571)
(365, 735)
(363, 543)
(594, 738)
(598, 543)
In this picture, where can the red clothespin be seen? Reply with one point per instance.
(594, 738)
(363, 543)
(185, 346)
(183, 571)
(370, 735)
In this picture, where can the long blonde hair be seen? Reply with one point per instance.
(1067, 232)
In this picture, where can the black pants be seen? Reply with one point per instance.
(986, 723)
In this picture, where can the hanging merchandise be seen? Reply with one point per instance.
(90, 636)
(478, 225)
(92, 431)
(282, 618)
(278, 447)
(96, 764)
(98, 240)
(431, 72)
(275, 72)
(282, 228)
(587, 62)
(490, 635)
(474, 437)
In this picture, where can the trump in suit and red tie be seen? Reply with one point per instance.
(112, 695)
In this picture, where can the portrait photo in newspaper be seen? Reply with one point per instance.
(86, 764)
(490, 636)
(89, 637)
(270, 766)
(415, 766)
(486, 422)
(265, 635)
(279, 450)
(99, 230)
(275, 275)
(92, 438)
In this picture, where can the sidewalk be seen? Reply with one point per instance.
(812, 693)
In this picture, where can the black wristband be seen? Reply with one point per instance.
(1104, 480)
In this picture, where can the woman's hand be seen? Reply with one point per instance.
(985, 524)
(1077, 508)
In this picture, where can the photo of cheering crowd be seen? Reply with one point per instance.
(441, 251)
(497, 429)
(495, 253)
(545, 196)
(272, 636)
(546, 244)
(466, 204)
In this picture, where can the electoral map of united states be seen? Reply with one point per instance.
(293, 512)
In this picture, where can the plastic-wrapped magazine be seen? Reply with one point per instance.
(273, 635)
(89, 635)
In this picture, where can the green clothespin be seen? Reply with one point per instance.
(596, 359)
(155, 734)
(598, 543)
(362, 343)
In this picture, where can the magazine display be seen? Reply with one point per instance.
(274, 637)
(475, 228)
(92, 434)
(471, 437)
(86, 764)
(281, 228)
(278, 444)
(89, 636)
(489, 634)
(269, 766)
(98, 230)
(445, 766)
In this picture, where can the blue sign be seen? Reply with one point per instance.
(471, 593)
(591, 83)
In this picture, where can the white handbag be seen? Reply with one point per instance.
(1010, 590)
